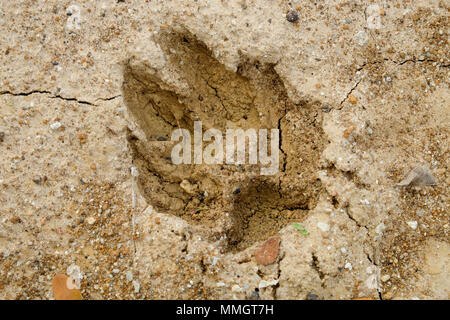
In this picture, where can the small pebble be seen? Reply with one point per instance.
(312, 296)
(129, 276)
(323, 226)
(137, 286)
(134, 171)
(412, 224)
(352, 99)
(380, 228)
(55, 126)
(254, 295)
(292, 16)
(362, 38)
(90, 220)
(385, 278)
(235, 288)
(265, 283)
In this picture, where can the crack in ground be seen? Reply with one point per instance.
(377, 276)
(365, 64)
(275, 287)
(349, 93)
(53, 96)
(317, 269)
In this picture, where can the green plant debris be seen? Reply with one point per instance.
(300, 228)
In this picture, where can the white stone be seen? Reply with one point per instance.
(380, 228)
(55, 126)
(134, 171)
(385, 278)
(323, 226)
(265, 284)
(90, 220)
(412, 224)
(129, 276)
(235, 288)
(361, 38)
(74, 273)
(137, 286)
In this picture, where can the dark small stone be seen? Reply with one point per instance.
(254, 296)
(55, 63)
(37, 180)
(2, 136)
(69, 13)
(201, 196)
(312, 296)
(237, 191)
(16, 220)
(292, 16)
(161, 138)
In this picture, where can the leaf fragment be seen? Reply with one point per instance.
(300, 228)
(419, 176)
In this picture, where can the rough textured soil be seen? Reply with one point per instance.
(90, 92)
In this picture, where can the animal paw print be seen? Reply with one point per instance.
(232, 202)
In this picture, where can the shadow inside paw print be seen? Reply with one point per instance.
(231, 202)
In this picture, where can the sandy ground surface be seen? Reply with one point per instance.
(91, 90)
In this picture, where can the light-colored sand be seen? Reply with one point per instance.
(359, 90)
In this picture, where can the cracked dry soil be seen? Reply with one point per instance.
(89, 96)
